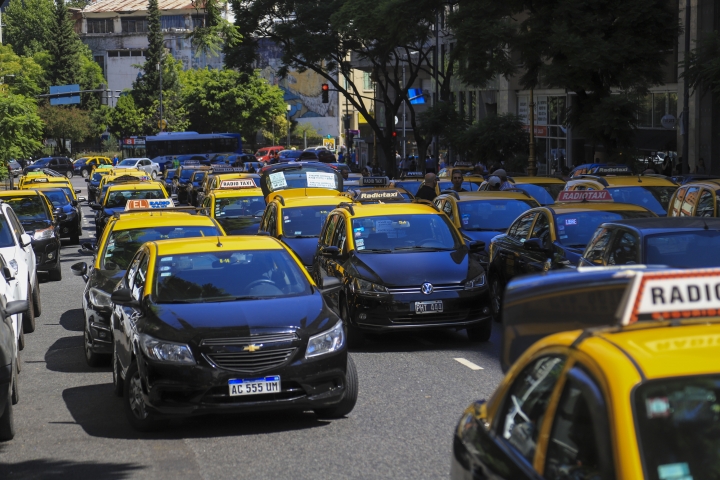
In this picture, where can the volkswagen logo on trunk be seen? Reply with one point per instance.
(426, 288)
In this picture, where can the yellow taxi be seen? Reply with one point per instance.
(696, 199)
(464, 167)
(238, 205)
(631, 396)
(44, 182)
(36, 174)
(93, 183)
(216, 175)
(552, 237)
(651, 192)
(117, 195)
(296, 216)
(362, 184)
(85, 166)
(127, 230)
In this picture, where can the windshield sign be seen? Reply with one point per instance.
(397, 233)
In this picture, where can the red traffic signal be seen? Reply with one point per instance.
(394, 134)
(325, 91)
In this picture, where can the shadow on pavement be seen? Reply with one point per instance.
(73, 320)
(101, 414)
(67, 355)
(58, 469)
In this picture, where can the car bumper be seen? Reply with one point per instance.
(47, 253)
(181, 391)
(396, 311)
(100, 331)
(70, 226)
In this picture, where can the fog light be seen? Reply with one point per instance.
(486, 310)
(362, 316)
(51, 256)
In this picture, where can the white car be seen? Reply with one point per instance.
(144, 164)
(22, 283)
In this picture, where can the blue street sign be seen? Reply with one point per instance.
(67, 96)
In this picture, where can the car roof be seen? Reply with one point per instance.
(488, 195)
(599, 206)
(238, 192)
(669, 223)
(538, 180)
(399, 208)
(165, 217)
(134, 186)
(626, 181)
(214, 244)
(19, 193)
(308, 197)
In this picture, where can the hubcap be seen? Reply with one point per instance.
(88, 344)
(137, 404)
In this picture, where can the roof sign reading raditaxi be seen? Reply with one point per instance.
(570, 196)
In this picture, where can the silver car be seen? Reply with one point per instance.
(144, 164)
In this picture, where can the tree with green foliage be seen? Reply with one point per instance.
(146, 88)
(63, 49)
(66, 123)
(126, 119)
(306, 130)
(21, 128)
(28, 25)
(702, 66)
(20, 74)
(494, 139)
(215, 33)
(229, 101)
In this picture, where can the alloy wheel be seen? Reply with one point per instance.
(137, 404)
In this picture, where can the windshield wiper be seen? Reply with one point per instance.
(432, 249)
(375, 250)
(302, 236)
(485, 229)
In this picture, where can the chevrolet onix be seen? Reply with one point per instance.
(226, 324)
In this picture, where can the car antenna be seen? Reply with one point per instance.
(219, 244)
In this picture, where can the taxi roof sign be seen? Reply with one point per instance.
(38, 180)
(463, 164)
(237, 183)
(143, 204)
(584, 196)
(374, 181)
(378, 195)
(611, 170)
(412, 174)
(672, 295)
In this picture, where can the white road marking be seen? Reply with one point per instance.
(468, 364)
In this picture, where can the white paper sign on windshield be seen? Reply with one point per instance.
(277, 180)
(321, 180)
(384, 226)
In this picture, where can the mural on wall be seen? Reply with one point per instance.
(302, 91)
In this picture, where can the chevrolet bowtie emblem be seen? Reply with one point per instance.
(252, 348)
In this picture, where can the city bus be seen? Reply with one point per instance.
(169, 144)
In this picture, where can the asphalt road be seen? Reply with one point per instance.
(69, 424)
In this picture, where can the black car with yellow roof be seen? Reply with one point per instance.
(193, 333)
(139, 222)
(403, 267)
(359, 184)
(552, 237)
(238, 205)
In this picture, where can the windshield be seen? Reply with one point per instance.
(228, 207)
(261, 153)
(42, 161)
(305, 177)
(655, 199)
(228, 276)
(411, 187)
(170, 174)
(576, 229)
(488, 215)
(118, 198)
(404, 233)
(6, 234)
(81, 161)
(305, 221)
(678, 426)
(28, 208)
(97, 176)
(58, 198)
(544, 194)
(187, 174)
(122, 245)
(468, 186)
(680, 250)
(127, 163)
(199, 177)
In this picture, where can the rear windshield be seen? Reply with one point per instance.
(118, 198)
(411, 186)
(28, 208)
(58, 198)
(544, 194)
(305, 221)
(491, 215)
(680, 249)
(187, 173)
(655, 199)
(307, 176)
(575, 229)
(678, 426)
(468, 186)
(228, 276)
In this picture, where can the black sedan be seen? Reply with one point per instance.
(71, 226)
(222, 325)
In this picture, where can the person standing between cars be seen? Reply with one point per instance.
(457, 180)
(376, 168)
(494, 184)
(402, 168)
(667, 166)
(427, 191)
(176, 162)
(505, 185)
(115, 160)
(365, 172)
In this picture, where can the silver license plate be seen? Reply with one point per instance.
(434, 306)
(254, 386)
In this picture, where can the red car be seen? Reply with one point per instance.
(265, 153)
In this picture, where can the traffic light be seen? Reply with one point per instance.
(394, 134)
(325, 92)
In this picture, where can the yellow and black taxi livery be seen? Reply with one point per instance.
(552, 237)
(296, 216)
(217, 173)
(284, 176)
(464, 167)
(361, 184)
(698, 198)
(193, 333)
(238, 205)
(141, 221)
(608, 397)
(35, 212)
(93, 182)
(63, 197)
(119, 193)
(403, 266)
(85, 166)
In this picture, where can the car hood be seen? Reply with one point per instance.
(31, 225)
(240, 225)
(303, 248)
(415, 268)
(111, 211)
(190, 323)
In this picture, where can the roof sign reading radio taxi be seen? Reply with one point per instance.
(611, 170)
(148, 204)
(413, 174)
(374, 181)
(381, 196)
(670, 295)
(237, 183)
(38, 180)
(223, 169)
(584, 196)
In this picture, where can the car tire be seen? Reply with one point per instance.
(495, 297)
(118, 383)
(153, 174)
(37, 306)
(28, 317)
(21, 338)
(355, 336)
(346, 405)
(56, 274)
(85, 173)
(480, 332)
(135, 409)
(69, 174)
(93, 359)
(15, 387)
(7, 423)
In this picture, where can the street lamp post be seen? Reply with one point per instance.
(162, 125)
(287, 115)
(686, 97)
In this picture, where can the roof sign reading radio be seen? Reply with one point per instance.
(383, 195)
(413, 174)
(616, 170)
(238, 183)
(148, 204)
(227, 170)
(38, 180)
(374, 181)
(584, 196)
(671, 295)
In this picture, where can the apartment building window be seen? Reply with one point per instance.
(173, 21)
(126, 53)
(367, 81)
(100, 25)
(100, 60)
(134, 25)
(654, 106)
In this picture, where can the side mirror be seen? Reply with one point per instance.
(25, 239)
(15, 307)
(534, 245)
(95, 206)
(477, 246)
(77, 190)
(330, 251)
(79, 269)
(74, 203)
(123, 296)
(61, 216)
(87, 246)
(7, 274)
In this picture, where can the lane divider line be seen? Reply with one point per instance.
(468, 364)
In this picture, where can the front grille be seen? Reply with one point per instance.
(436, 288)
(251, 362)
(253, 339)
(445, 317)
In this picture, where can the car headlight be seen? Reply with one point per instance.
(326, 342)
(99, 298)
(167, 352)
(43, 234)
(476, 282)
(363, 286)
